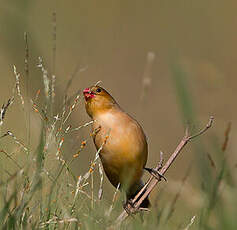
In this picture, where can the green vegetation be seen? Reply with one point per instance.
(40, 191)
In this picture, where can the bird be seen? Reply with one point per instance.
(125, 151)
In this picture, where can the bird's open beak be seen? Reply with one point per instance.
(88, 93)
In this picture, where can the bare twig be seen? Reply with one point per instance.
(159, 166)
(209, 124)
(134, 205)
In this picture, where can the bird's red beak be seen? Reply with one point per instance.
(88, 93)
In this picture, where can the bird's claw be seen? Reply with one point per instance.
(129, 207)
(155, 173)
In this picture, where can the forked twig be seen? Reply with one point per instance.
(134, 205)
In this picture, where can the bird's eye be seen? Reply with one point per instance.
(98, 90)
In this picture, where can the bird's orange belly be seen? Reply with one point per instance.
(122, 164)
(120, 170)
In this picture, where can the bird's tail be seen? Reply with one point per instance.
(146, 203)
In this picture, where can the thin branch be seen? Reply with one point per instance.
(209, 124)
(159, 166)
(134, 205)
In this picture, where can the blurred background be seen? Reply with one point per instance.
(170, 64)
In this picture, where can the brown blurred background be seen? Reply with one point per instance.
(112, 39)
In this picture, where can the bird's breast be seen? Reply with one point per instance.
(125, 136)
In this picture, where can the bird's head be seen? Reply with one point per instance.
(97, 100)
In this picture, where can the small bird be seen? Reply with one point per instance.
(124, 154)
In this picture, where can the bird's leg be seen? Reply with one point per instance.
(154, 172)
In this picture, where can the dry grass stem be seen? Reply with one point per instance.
(191, 222)
(212, 162)
(46, 80)
(56, 220)
(72, 107)
(18, 142)
(113, 201)
(18, 90)
(100, 192)
(227, 133)
(4, 110)
(69, 130)
(54, 48)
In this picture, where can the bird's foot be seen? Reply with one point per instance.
(144, 209)
(155, 173)
(129, 207)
